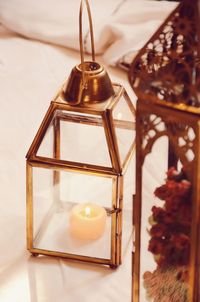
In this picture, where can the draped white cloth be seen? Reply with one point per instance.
(120, 26)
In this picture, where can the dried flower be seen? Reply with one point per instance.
(173, 174)
(157, 245)
(167, 285)
(159, 230)
(158, 213)
(162, 192)
(171, 224)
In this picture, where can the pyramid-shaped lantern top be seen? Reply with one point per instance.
(167, 69)
(91, 122)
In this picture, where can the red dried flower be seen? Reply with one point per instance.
(176, 175)
(170, 242)
(176, 252)
(178, 188)
(172, 188)
(181, 241)
(172, 173)
(159, 230)
(170, 217)
(158, 214)
(162, 192)
(172, 203)
(184, 213)
(157, 245)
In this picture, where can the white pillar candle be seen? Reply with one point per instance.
(87, 221)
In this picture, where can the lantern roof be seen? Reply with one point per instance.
(166, 71)
(99, 137)
(90, 123)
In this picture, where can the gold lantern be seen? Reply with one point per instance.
(165, 75)
(78, 168)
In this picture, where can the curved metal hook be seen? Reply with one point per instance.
(81, 36)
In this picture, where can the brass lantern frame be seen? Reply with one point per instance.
(116, 172)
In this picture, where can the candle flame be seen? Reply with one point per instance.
(87, 211)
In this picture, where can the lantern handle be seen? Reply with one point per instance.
(81, 36)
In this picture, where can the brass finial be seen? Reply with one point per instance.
(88, 81)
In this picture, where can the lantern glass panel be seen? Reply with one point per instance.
(124, 125)
(129, 184)
(55, 193)
(46, 148)
(127, 228)
(81, 139)
(166, 207)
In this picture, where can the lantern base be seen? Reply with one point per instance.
(53, 237)
(34, 254)
(114, 266)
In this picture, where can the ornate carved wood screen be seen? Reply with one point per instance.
(165, 76)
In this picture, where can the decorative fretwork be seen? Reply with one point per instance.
(165, 76)
(168, 67)
(152, 128)
(180, 135)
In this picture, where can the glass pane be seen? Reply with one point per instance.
(62, 226)
(127, 222)
(46, 148)
(165, 227)
(124, 125)
(78, 138)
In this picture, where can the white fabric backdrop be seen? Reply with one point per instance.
(120, 26)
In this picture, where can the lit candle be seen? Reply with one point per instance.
(87, 221)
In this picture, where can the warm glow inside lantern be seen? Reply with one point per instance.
(79, 180)
(165, 77)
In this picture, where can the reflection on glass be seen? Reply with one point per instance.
(123, 119)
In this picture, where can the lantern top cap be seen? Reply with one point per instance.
(166, 70)
(96, 86)
(90, 67)
(88, 82)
